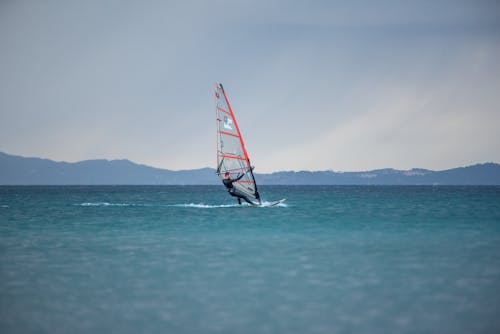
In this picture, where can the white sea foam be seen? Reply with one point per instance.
(212, 206)
(107, 204)
(204, 206)
(182, 205)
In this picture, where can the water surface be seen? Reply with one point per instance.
(185, 259)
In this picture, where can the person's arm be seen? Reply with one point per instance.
(239, 177)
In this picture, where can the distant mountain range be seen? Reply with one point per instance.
(17, 170)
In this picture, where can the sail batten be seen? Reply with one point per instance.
(232, 156)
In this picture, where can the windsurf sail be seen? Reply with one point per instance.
(232, 156)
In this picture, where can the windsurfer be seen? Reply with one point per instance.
(228, 182)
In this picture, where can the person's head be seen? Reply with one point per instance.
(227, 175)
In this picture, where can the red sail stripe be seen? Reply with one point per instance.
(224, 111)
(229, 134)
(231, 157)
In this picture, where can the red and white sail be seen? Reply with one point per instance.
(232, 156)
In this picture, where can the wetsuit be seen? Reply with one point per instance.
(230, 189)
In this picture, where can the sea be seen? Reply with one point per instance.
(188, 259)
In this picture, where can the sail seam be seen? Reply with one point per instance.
(224, 111)
(229, 134)
(231, 157)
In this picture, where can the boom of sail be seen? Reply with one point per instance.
(232, 156)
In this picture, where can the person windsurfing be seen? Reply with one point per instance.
(228, 183)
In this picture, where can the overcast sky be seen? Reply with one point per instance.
(347, 85)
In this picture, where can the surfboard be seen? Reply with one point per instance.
(268, 204)
(277, 202)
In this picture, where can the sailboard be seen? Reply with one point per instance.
(277, 202)
(232, 156)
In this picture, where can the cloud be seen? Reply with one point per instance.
(436, 120)
(318, 85)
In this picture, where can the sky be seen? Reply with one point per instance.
(315, 85)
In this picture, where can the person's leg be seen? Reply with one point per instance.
(247, 200)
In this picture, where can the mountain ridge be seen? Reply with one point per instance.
(18, 170)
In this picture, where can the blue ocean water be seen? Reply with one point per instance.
(185, 259)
